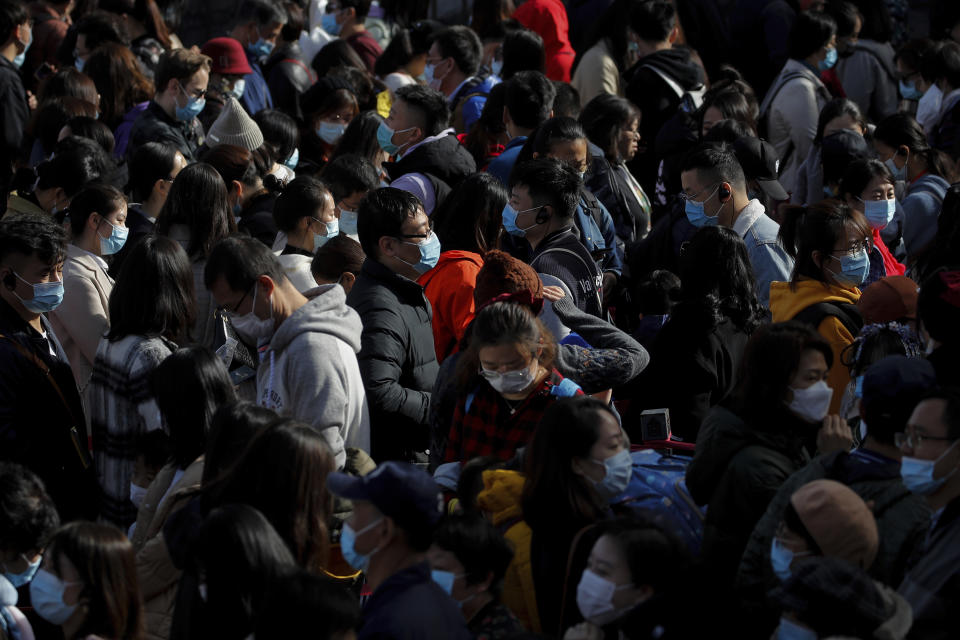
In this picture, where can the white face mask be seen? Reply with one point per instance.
(137, 494)
(812, 403)
(595, 599)
(249, 326)
(511, 381)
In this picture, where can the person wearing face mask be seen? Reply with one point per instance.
(468, 559)
(228, 68)
(345, 19)
(943, 64)
(397, 360)
(350, 178)
(98, 222)
(396, 509)
(789, 110)
(452, 67)
(45, 419)
(528, 103)
(256, 24)
(16, 33)
(514, 354)
(931, 458)
(171, 117)
(837, 115)
(922, 170)
(775, 420)
(920, 93)
(865, 65)
(304, 212)
(295, 336)
(831, 244)
(328, 107)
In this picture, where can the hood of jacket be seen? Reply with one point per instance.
(882, 52)
(501, 495)
(785, 303)
(325, 312)
(677, 64)
(442, 156)
(448, 258)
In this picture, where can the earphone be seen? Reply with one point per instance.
(542, 215)
(724, 193)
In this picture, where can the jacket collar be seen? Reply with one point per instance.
(381, 273)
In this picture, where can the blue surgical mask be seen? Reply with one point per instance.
(348, 222)
(329, 24)
(330, 132)
(428, 74)
(619, 470)
(385, 138)
(47, 296)
(696, 213)
(348, 538)
(238, 88)
(79, 63)
(781, 558)
(858, 387)
(294, 159)
(496, 67)
(879, 213)
(260, 49)
(445, 579)
(20, 579)
(429, 253)
(332, 231)
(113, 244)
(829, 61)
(192, 109)
(46, 596)
(917, 474)
(853, 268)
(899, 173)
(790, 630)
(21, 57)
(510, 221)
(909, 91)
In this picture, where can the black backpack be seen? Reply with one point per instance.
(848, 315)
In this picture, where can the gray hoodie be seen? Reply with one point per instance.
(309, 371)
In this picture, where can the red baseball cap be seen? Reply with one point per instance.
(227, 57)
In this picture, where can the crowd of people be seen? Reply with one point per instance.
(500, 319)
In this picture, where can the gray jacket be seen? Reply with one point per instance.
(869, 78)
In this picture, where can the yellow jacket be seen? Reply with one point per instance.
(785, 303)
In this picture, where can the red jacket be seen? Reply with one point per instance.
(549, 19)
(449, 288)
(890, 264)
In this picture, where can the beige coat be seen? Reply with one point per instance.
(159, 578)
(83, 316)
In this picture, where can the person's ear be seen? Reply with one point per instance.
(817, 258)
(576, 465)
(351, 13)
(387, 246)
(159, 186)
(536, 154)
(674, 34)
(267, 285)
(347, 279)
(9, 280)
(903, 150)
(237, 187)
(506, 116)
(94, 220)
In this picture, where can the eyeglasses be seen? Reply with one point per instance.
(915, 440)
(422, 236)
(230, 313)
(694, 196)
(855, 248)
(197, 93)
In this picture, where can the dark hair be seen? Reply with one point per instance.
(347, 174)
(657, 293)
(105, 563)
(653, 556)
(119, 81)
(321, 104)
(734, 100)
(100, 199)
(770, 360)
(523, 50)
(935, 308)
(845, 15)
(337, 53)
(146, 12)
(715, 164)
(303, 197)
(912, 53)
(603, 118)
(834, 109)
(362, 7)
(68, 83)
(237, 163)
(12, 15)
(477, 545)
(76, 162)
(29, 515)
(567, 101)
(817, 227)
(430, 105)
(612, 28)
(92, 129)
(240, 260)
(280, 132)
(283, 473)
(860, 173)
(654, 20)
(461, 44)
(295, 23)
(53, 115)
(151, 162)
(727, 132)
(552, 131)
(403, 48)
(902, 129)
(484, 138)
(382, 213)
(884, 416)
(951, 412)
(529, 98)
(489, 18)
(550, 182)
(470, 483)
(811, 32)
(154, 294)
(339, 255)
(233, 427)
(877, 21)
(470, 217)
(198, 199)
(32, 235)
(303, 600)
(552, 492)
(360, 139)
(188, 386)
(263, 12)
(239, 554)
(717, 280)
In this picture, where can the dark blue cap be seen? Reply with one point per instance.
(401, 491)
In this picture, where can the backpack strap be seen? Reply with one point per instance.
(848, 315)
(775, 91)
(310, 74)
(594, 270)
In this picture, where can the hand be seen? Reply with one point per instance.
(834, 435)
(584, 631)
(31, 101)
(553, 294)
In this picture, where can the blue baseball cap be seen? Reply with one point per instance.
(406, 494)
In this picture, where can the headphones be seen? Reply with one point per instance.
(542, 215)
(723, 193)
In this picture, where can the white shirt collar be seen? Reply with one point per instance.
(747, 217)
(454, 92)
(442, 134)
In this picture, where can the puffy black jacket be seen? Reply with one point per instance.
(397, 360)
(444, 160)
(13, 123)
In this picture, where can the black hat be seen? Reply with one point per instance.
(759, 161)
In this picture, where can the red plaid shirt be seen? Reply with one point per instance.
(485, 425)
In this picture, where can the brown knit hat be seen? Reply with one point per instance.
(888, 300)
(502, 273)
(838, 520)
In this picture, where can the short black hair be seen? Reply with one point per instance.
(302, 197)
(523, 51)
(29, 515)
(337, 256)
(151, 162)
(811, 32)
(240, 260)
(567, 101)
(362, 7)
(477, 545)
(549, 182)
(263, 12)
(945, 63)
(92, 129)
(12, 14)
(349, 174)
(951, 412)
(76, 162)
(653, 21)
(529, 98)
(715, 164)
(430, 104)
(461, 44)
(100, 199)
(99, 27)
(382, 213)
(32, 235)
(280, 133)
(845, 14)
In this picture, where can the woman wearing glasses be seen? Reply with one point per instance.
(831, 244)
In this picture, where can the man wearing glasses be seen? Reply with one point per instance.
(929, 467)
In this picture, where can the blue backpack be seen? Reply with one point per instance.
(658, 492)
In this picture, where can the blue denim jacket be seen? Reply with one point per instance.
(770, 261)
(595, 237)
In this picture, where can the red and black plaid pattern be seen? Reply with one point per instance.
(489, 428)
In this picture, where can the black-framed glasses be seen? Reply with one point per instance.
(231, 312)
(198, 93)
(915, 440)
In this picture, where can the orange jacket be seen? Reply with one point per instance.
(449, 288)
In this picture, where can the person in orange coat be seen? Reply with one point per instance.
(549, 19)
(467, 223)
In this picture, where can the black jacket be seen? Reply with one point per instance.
(288, 76)
(444, 160)
(397, 360)
(257, 219)
(14, 116)
(38, 429)
(154, 125)
(561, 254)
(610, 186)
(139, 226)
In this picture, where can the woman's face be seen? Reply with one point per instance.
(811, 370)
(68, 574)
(103, 226)
(711, 117)
(608, 561)
(502, 358)
(842, 122)
(851, 243)
(877, 189)
(572, 153)
(628, 140)
(343, 116)
(610, 442)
